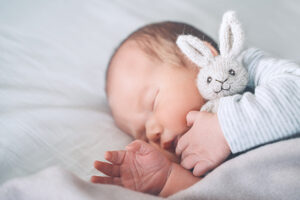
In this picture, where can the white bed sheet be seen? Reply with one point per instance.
(53, 56)
(271, 172)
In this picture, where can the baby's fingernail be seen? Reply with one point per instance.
(107, 155)
(95, 162)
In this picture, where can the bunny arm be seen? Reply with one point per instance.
(211, 106)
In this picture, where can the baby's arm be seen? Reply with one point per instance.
(271, 113)
(248, 120)
(145, 169)
(179, 179)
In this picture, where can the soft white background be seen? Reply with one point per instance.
(53, 56)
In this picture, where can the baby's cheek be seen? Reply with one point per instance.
(174, 117)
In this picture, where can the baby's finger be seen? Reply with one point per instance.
(107, 168)
(189, 162)
(135, 145)
(106, 180)
(202, 167)
(115, 157)
(190, 117)
(185, 153)
(181, 145)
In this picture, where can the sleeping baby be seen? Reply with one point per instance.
(153, 96)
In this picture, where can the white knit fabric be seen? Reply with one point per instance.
(231, 35)
(195, 50)
(222, 75)
(271, 112)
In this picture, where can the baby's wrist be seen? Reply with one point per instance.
(178, 179)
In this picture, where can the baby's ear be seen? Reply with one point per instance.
(195, 50)
(231, 35)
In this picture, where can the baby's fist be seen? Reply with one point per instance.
(203, 147)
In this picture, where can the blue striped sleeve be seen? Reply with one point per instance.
(271, 112)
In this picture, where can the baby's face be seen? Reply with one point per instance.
(149, 99)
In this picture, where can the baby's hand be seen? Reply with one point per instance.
(203, 147)
(141, 167)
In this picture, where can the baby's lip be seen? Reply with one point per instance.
(175, 142)
(168, 145)
(171, 145)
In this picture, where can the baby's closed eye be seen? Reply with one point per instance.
(155, 100)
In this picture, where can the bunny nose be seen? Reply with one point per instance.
(225, 86)
(222, 86)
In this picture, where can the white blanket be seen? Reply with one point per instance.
(269, 172)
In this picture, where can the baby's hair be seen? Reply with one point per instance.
(158, 40)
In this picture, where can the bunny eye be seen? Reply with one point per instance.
(231, 72)
(209, 79)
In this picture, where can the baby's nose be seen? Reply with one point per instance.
(154, 137)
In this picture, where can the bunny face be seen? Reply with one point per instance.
(222, 75)
(222, 78)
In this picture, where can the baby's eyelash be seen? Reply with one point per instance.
(154, 100)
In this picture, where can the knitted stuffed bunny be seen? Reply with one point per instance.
(224, 74)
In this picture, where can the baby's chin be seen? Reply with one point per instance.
(169, 154)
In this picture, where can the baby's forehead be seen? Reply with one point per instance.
(129, 57)
(130, 64)
(123, 56)
(127, 52)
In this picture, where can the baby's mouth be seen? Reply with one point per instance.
(175, 142)
(171, 145)
(168, 152)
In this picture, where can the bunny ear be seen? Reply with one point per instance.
(231, 35)
(195, 50)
